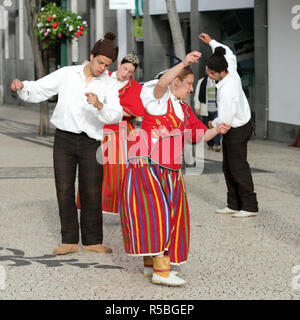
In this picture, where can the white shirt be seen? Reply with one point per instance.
(119, 84)
(233, 106)
(73, 113)
(159, 106)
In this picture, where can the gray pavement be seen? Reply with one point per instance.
(229, 258)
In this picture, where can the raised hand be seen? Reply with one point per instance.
(192, 57)
(205, 37)
(16, 85)
(92, 99)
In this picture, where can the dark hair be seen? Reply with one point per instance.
(217, 61)
(124, 60)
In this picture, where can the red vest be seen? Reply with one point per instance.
(170, 134)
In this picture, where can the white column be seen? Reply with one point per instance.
(99, 19)
(21, 29)
(1, 69)
(75, 44)
(2, 26)
(6, 35)
(122, 33)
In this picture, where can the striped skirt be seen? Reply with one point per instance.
(154, 212)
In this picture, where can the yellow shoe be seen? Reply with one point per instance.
(218, 148)
(148, 267)
(100, 248)
(66, 248)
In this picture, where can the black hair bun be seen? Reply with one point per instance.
(220, 51)
(110, 36)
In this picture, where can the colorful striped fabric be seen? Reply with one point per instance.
(113, 173)
(154, 212)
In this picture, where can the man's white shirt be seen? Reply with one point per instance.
(233, 106)
(73, 113)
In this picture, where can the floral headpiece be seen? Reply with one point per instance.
(132, 57)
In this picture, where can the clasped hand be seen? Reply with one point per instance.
(92, 99)
(223, 128)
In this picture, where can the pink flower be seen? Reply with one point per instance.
(48, 19)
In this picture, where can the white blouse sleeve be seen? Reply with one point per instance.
(44, 88)
(152, 105)
(112, 111)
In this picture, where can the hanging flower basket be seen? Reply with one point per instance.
(54, 25)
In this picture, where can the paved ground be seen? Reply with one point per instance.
(229, 258)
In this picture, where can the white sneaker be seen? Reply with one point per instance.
(244, 214)
(148, 272)
(172, 280)
(225, 211)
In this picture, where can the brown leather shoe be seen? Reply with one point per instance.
(66, 248)
(100, 248)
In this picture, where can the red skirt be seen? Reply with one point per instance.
(154, 212)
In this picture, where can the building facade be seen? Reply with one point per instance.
(264, 34)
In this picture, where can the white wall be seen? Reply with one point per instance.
(209, 5)
(159, 6)
(284, 60)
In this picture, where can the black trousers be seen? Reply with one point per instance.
(240, 188)
(72, 150)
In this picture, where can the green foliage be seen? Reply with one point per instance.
(54, 25)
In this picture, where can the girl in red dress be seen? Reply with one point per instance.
(115, 142)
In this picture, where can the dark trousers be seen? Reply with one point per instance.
(72, 150)
(240, 195)
(212, 116)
